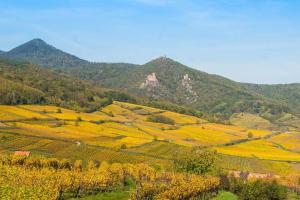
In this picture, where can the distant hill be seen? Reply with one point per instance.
(166, 79)
(39, 52)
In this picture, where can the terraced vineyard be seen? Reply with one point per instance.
(122, 132)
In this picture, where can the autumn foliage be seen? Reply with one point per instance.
(50, 178)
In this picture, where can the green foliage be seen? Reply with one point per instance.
(24, 83)
(224, 195)
(17, 93)
(196, 162)
(120, 195)
(212, 94)
(258, 189)
(161, 119)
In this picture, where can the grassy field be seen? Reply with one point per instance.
(121, 132)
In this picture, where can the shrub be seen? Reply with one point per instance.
(161, 119)
(258, 189)
(196, 162)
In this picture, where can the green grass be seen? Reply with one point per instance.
(293, 196)
(120, 195)
(223, 195)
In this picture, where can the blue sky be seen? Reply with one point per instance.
(254, 41)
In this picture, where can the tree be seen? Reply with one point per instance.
(196, 162)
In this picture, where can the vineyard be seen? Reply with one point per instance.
(124, 132)
(46, 179)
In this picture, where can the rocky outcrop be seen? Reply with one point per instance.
(186, 84)
(150, 82)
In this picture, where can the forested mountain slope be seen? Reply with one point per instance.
(25, 83)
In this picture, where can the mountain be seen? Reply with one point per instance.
(39, 52)
(166, 79)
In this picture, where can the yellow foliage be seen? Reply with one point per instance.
(289, 140)
(16, 113)
(41, 178)
(260, 149)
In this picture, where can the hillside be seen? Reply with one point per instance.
(286, 93)
(24, 83)
(166, 79)
(124, 132)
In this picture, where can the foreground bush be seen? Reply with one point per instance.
(176, 186)
(258, 189)
(50, 179)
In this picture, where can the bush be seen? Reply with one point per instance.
(258, 190)
(161, 119)
(196, 162)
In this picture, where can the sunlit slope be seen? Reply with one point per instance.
(250, 121)
(288, 140)
(260, 149)
(123, 126)
(116, 125)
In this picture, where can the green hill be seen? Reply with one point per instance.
(25, 83)
(39, 52)
(166, 79)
